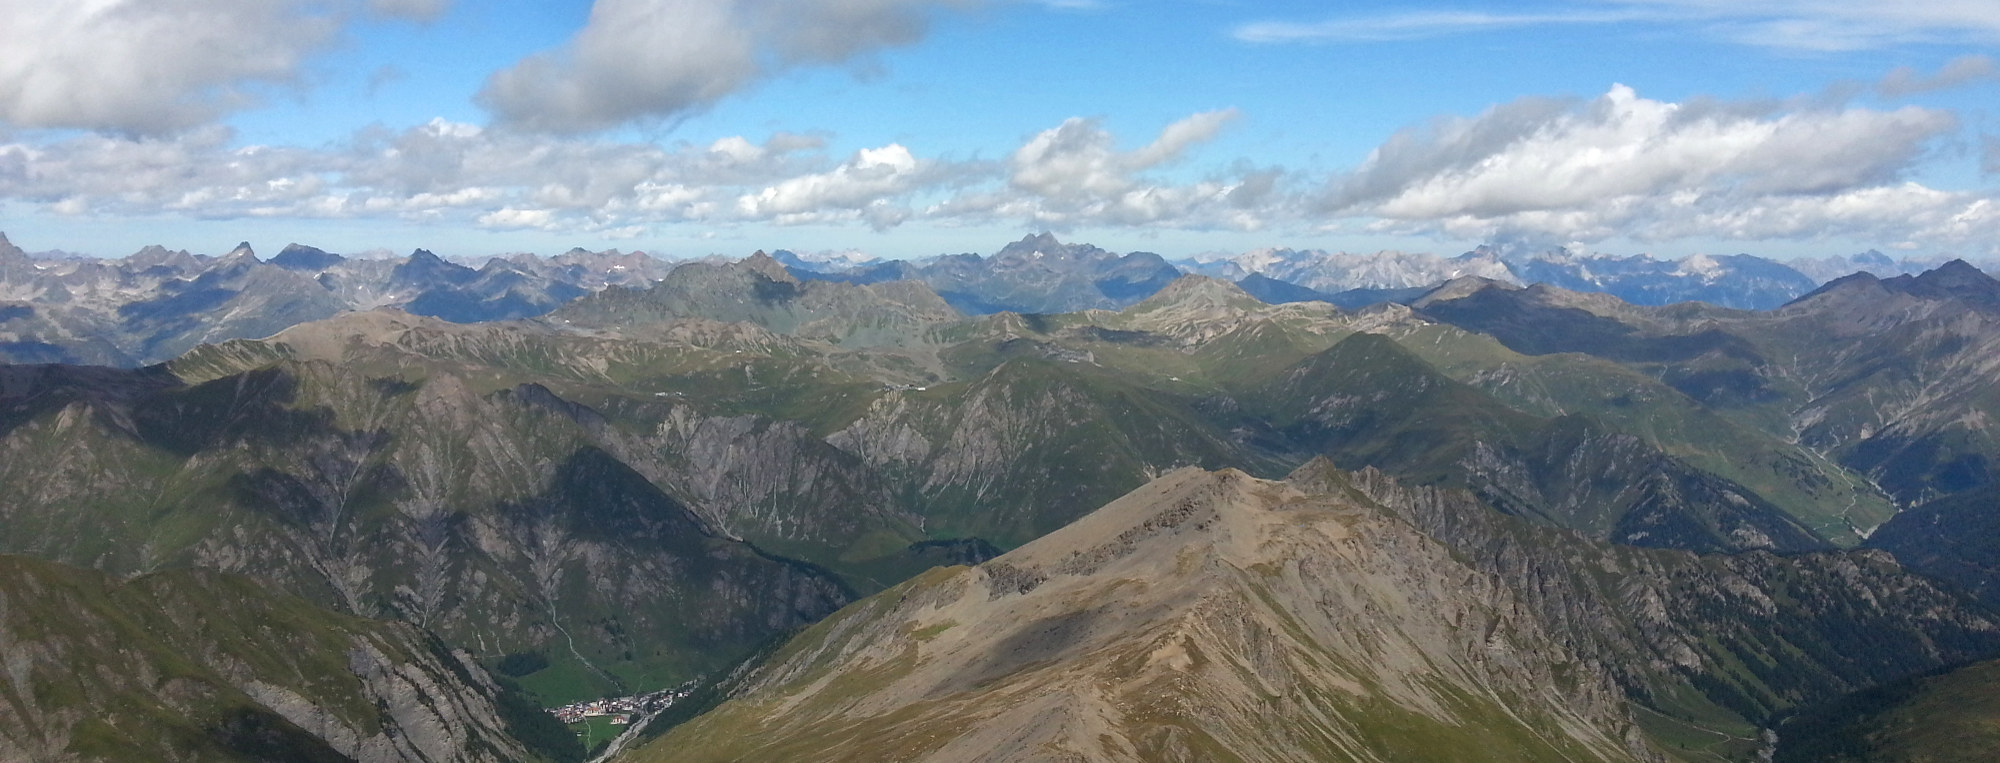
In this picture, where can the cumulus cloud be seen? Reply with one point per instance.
(1628, 166)
(150, 67)
(454, 172)
(449, 172)
(1074, 174)
(1828, 25)
(1554, 170)
(863, 185)
(510, 218)
(639, 59)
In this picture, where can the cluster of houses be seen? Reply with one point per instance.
(623, 710)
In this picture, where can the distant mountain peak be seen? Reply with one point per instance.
(1956, 272)
(1461, 286)
(242, 253)
(765, 265)
(1956, 279)
(155, 255)
(424, 270)
(1199, 290)
(1030, 246)
(301, 257)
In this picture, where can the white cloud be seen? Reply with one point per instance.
(445, 172)
(867, 180)
(1073, 174)
(1617, 166)
(1622, 165)
(511, 218)
(1828, 25)
(641, 59)
(148, 66)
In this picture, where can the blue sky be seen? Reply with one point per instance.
(907, 128)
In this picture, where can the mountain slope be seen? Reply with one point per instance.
(491, 517)
(1943, 718)
(1331, 616)
(1367, 401)
(197, 665)
(1206, 616)
(1893, 379)
(1707, 643)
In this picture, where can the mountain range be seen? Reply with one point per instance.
(1355, 280)
(1486, 521)
(156, 304)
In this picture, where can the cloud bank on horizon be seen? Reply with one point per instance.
(121, 110)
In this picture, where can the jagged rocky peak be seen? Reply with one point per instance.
(242, 254)
(1040, 244)
(767, 266)
(426, 269)
(155, 255)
